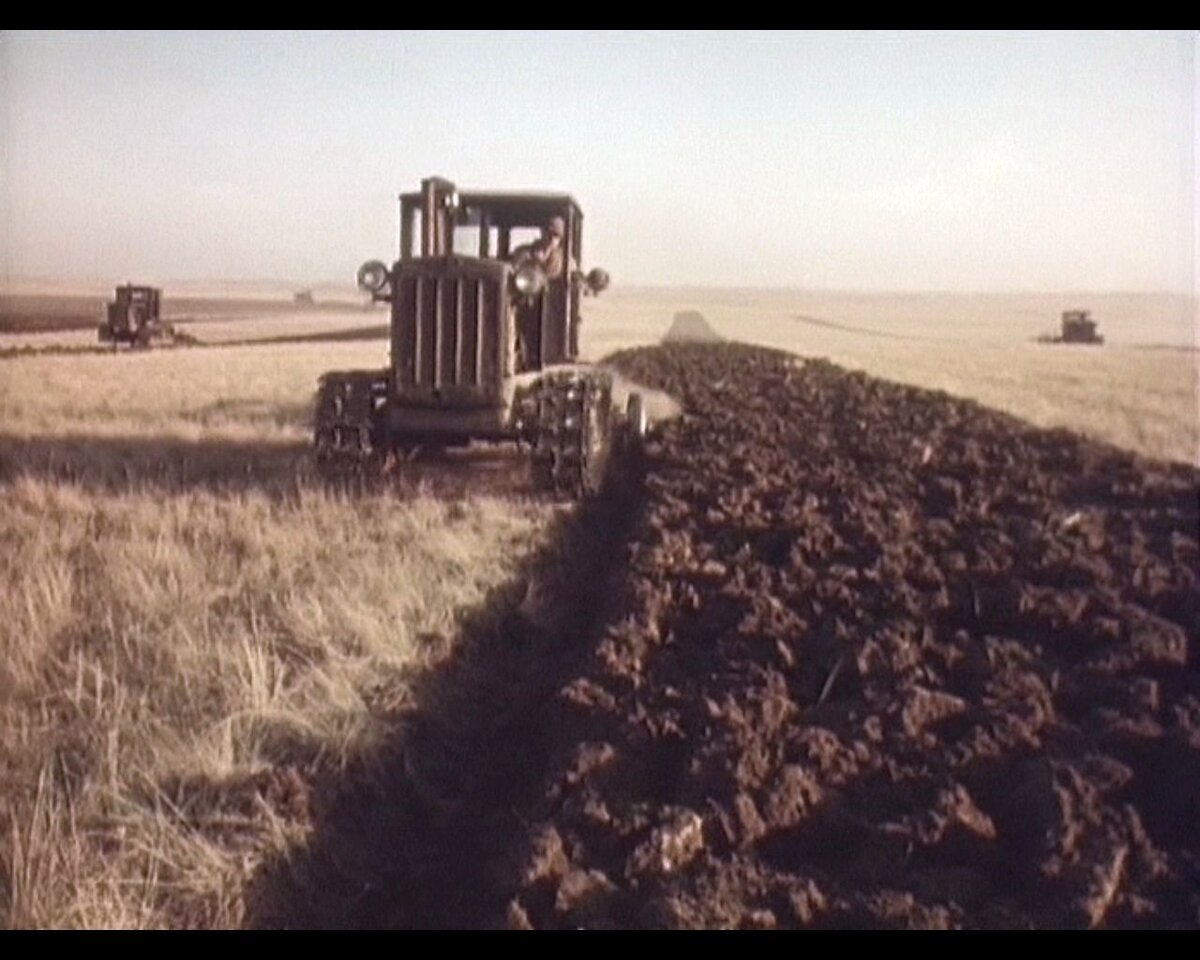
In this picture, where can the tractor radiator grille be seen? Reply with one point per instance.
(448, 338)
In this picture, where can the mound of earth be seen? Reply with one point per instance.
(888, 658)
(689, 326)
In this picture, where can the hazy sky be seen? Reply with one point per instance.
(865, 161)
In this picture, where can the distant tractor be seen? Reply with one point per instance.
(304, 298)
(1077, 327)
(484, 344)
(134, 318)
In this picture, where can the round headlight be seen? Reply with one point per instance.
(530, 279)
(373, 276)
(597, 280)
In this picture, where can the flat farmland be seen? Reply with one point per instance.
(205, 650)
(1138, 390)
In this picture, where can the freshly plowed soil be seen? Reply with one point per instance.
(870, 656)
(891, 658)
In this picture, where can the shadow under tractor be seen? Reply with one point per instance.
(485, 310)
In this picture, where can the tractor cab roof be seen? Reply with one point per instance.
(134, 293)
(434, 215)
(507, 208)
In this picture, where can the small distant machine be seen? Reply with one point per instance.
(1077, 327)
(134, 318)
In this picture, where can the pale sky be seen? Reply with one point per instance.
(1006, 162)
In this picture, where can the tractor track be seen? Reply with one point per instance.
(854, 654)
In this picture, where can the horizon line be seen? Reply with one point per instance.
(299, 285)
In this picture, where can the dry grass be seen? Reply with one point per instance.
(1138, 391)
(190, 626)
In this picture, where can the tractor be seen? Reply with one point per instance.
(1077, 327)
(133, 318)
(484, 345)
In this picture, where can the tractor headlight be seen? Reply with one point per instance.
(530, 280)
(373, 276)
(596, 280)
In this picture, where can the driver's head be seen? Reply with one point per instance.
(556, 227)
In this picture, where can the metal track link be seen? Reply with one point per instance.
(344, 434)
(573, 432)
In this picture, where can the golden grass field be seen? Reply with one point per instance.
(1138, 390)
(189, 619)
(185, 608)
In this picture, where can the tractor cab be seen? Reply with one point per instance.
(484, 330)
(439, 224)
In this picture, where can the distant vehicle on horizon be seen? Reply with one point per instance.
(1077, 327)
(134, 318)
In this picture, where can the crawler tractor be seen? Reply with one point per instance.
(484, 346)
(1077, 327)
(133, 318)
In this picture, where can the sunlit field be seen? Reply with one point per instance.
(1137, 390)
(35, 316)
(191, 624)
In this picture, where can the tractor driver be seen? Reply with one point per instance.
(550, 253)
